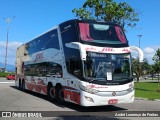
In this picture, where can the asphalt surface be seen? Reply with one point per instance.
(12, 99)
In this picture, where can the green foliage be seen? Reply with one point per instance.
(108, 10)
(139, 68)
(156, 59)
(4, 74)
(145, 67)
(136, 68)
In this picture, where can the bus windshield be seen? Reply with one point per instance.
(107, 68)
(102, 33)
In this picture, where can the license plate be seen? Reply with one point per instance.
(113, 101)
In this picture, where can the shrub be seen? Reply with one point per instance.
(4, 74)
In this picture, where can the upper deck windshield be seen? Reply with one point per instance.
(102, 33)
(102, 68)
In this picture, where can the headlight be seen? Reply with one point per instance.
(89, 90)
(130, 89)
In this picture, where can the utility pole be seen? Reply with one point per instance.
(139, 40)
(8, 21)
(139, 64)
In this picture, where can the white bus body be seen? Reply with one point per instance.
(67, 65)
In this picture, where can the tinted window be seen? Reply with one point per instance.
(72, 56)
(43, 69)
(46, 41)
(69, 32)
(73, 63)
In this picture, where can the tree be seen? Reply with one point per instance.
(156, 59)
(108, 10)
(145, 67)
(139, 68)
(152, 71)
(136, 68)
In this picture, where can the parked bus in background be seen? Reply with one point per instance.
(85, 62)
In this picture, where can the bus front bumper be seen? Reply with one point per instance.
(88, 99)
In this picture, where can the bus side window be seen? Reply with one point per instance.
(56, 71)
(75, 68)
(22, 69)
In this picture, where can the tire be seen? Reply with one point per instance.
(23, 86)
(60, 95)
(51, 93)
(20, 85)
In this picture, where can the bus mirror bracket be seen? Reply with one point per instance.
(140, 52)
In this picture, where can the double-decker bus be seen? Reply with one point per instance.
(85, 62)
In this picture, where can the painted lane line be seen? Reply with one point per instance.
(6, 82)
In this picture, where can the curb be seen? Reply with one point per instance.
(146, 99)
(157, 100)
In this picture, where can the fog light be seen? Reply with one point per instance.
(89, 99)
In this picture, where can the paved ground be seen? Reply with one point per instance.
(12, 99)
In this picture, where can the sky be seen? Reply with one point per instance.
(30, 18)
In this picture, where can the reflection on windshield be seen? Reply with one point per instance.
(99, 66)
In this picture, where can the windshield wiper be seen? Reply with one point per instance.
(97, 79)
(92, 80)
(121, 79)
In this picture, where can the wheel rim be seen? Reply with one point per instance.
(52, 93)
